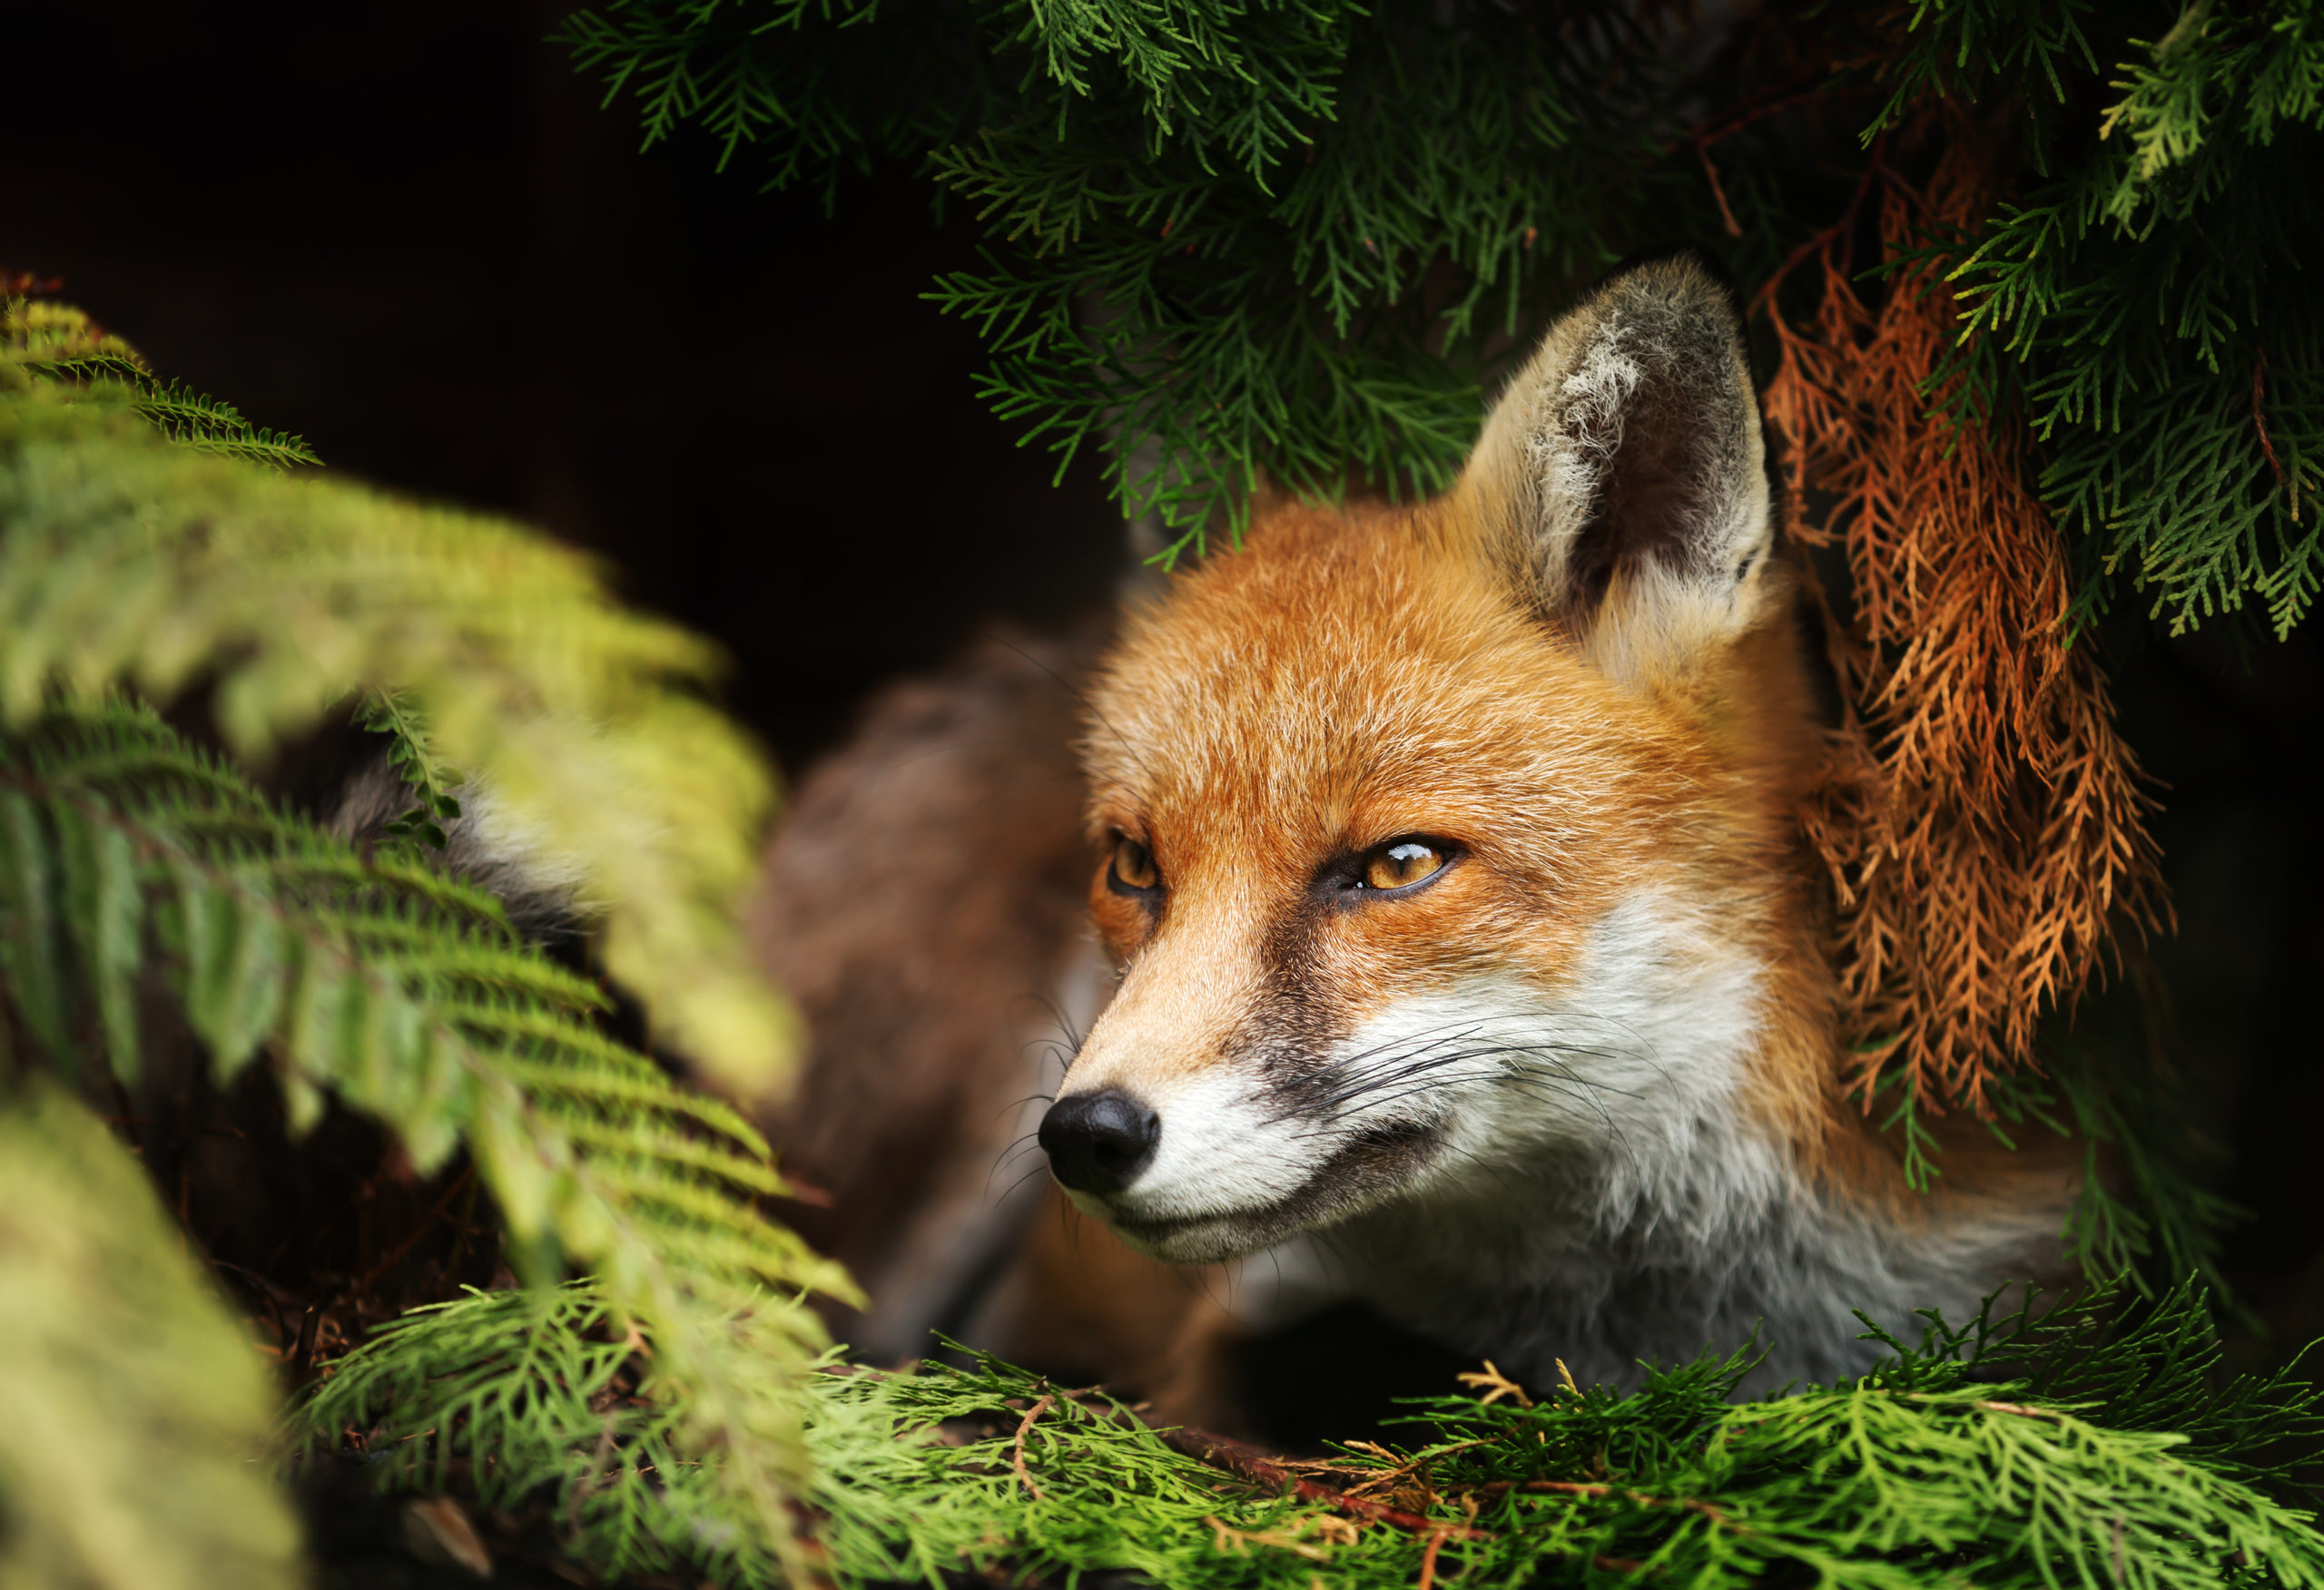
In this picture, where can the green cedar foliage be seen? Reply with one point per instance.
(537, 1395)
(2143, 1211)
(1228, 237)
(1298, 238)
(2071, 1449)
(2151, 308)
(139, 874)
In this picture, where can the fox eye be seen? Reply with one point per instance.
(1132, 869)
(1401, 863)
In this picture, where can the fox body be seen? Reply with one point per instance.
(1468, 958)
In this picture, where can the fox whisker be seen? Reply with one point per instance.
(1407, 1066)
(1086, 703)
(1014, 1151)
(1541, 1090)
(1037, 1171)
(1020, 1104)
(1073, 1038)
(1410, 1074)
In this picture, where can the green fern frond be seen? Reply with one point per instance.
(130, 559)
(397, 715)
(58, 343)
(134, 1416)
(405, 994)
(40, 338)
(209, 425)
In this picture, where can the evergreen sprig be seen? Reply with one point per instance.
(1198, 321)
(2148, 308)
(1967, 49)
(811, 114)
(403, 993)
(2076, 1446)
(540, 1396)
(1296, 238)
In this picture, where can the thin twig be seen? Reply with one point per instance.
(302, 1350)
(1574, 1487)
(1225, 1537)
(1016, 1448)
(1718, 189)
(1428, 1559)
(1807, 86)
(598, 1461)
(1875, 166)
(2018, 1408)
(1245, 1461)
(2260, 419)
(1249, 1462)
(2267, 443)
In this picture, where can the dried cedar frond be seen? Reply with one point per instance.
(1983, 823)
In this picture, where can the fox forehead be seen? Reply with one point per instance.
(1346, 679)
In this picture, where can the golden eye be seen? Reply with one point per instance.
(1392, 866)
(1133, 867)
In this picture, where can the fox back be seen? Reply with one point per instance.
(1468, 954)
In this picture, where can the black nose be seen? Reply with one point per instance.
(1097, 1142)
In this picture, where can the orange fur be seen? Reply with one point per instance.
(1576, 680)
(1349, 676)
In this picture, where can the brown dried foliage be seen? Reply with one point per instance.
(1983, 823)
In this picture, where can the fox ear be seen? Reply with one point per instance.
(1623, 476)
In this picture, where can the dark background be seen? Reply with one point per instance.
(408, 233)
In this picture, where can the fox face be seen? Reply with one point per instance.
(1464, 928)
(1449, 850)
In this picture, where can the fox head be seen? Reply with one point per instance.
(1451, 844)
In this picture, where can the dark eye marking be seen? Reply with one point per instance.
(1130, 870)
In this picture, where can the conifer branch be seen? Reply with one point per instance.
(1984, 824)
(2026, 1451)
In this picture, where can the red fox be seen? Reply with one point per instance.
(1467, 958)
